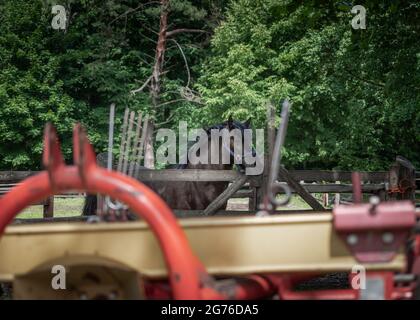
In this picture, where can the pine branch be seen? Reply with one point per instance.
(142, 87)
(185, 61)
(182, 30)
(131, 10)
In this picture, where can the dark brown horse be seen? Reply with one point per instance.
(188, 195)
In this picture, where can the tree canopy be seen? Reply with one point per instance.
(355, 93)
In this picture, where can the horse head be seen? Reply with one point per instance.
(235, 145)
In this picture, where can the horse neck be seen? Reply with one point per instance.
(209, 165)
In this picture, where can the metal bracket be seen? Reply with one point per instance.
(415, 268)
(185, 270)
(83, 154)
(270, 202)
(52, 159)
(374, 233)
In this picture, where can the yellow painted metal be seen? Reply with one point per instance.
(225, 245)
(81, 282)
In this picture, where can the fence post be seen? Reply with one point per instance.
(48, 208)
(402, 180)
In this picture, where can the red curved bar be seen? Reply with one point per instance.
(183, 267)
(250, 287)
(188, 277)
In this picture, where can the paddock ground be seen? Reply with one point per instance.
(72, 206)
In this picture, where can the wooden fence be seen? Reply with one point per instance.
(312, 181)
(397, 183)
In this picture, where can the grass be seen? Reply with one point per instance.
(296, 203)
(72, 206)
(63, 207)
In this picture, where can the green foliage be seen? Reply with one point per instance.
(355, 93)
(64, 77)
(31, 91)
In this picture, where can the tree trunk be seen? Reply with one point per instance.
(160, 53)
(155, 85)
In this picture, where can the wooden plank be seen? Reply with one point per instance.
(221, 175)
(15, 176)
(231, 175)
(306, 175)
(52, 219)
(188, 175)
(339, 188)
(48, 210)
(303, 193)
(235, 213)
(332, 176)
(225, 195)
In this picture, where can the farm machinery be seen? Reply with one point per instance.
(376, 245)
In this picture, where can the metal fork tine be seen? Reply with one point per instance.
(135, 145)
(110, 147)
(141, 146)
(123, 140)
(128, 142)
(111, 136)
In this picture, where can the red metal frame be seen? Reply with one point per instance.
(378, 231)
(285, 285)
(187, 276)
(415, 265)
(183, 267)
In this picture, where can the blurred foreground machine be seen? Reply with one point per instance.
(158, 257)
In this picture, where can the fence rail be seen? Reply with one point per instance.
(8, 177)
(313, 181)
